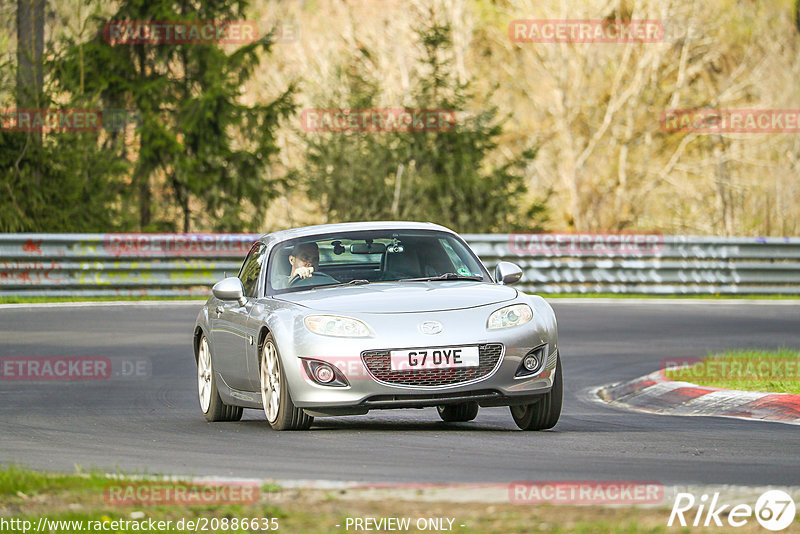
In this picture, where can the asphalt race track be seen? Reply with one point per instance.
(152, 423)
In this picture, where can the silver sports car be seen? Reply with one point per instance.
(341, 319)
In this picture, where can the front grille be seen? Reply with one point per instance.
(379, 365)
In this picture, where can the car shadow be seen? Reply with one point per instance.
(401, 423)
(419, 426)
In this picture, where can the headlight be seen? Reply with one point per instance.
(333, 325)
(515, 315)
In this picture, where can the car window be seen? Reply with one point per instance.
(374, 257)
(251, 268)
(462, 261)
(457, 263)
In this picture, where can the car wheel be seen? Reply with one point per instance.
(210, 402)
(544, 413)
(281, 412)
(458, 413)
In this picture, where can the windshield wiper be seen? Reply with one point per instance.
(357, 282)
(445, 276)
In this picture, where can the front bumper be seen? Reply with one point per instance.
(365, 391)
(484, 398)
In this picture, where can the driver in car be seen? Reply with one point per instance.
(304, 259)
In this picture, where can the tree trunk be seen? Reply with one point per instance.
(145, 199)
(145, 194)
(30, 75)
(30, 45)
(186, 213)
(797, 15)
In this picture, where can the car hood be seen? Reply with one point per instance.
(402, 297)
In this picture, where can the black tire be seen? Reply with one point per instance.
(458, 413)
(288, 416)
(217, 411)
(544, 413)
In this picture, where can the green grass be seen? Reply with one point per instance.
(16, 480)
(30, 495)
(26, 494)
(775, 371)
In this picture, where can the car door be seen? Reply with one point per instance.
(258, 314)
(229, 329)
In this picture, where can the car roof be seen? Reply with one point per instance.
(307, 231)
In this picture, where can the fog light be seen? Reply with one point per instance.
(324, 373)
(531, 362)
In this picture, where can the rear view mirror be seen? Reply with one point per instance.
(367, 248)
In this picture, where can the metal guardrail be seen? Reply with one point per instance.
(118, 264)
(661, 265)
(188, 264)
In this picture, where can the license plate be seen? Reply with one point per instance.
(434, 358)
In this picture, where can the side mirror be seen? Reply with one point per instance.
(230, 289)
(507, 273)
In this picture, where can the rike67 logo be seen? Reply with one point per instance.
(774, 510)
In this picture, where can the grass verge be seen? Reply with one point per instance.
(775, 371)
(27, 495)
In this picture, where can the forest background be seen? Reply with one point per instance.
(548, 137)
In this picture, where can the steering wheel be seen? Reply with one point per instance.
(320, 276)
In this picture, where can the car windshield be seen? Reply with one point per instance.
(365, 257)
